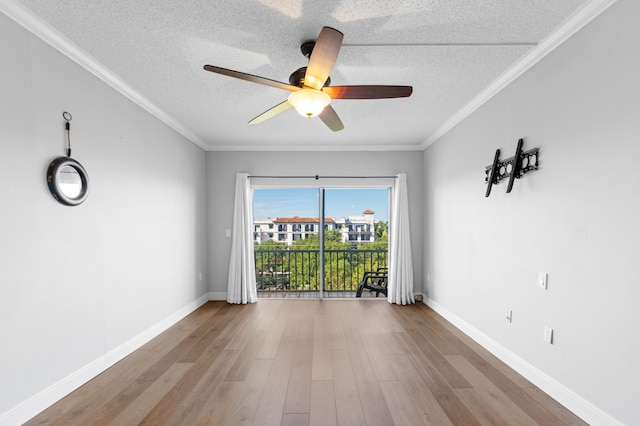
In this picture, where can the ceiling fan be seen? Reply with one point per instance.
(310, 85)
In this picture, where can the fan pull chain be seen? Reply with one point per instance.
(67, 117)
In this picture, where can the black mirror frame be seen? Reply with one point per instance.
(52, 173)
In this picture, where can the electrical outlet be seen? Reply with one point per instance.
(228, 233)
(542, 280)
(548, 335)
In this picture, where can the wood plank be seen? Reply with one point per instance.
(377, 352)
(517, 394)
(484, 413)
(141, 406)
(234, 402)
(295, 420)
(269, 345)
(321, 361)
(271, 405)
(501, 409)
(348, 408)
(431, 358)
(200, 315)
(374, 406)
(416, 391)
(455, 409)
(195, 400)
(298, 397)
(323, 404)
(403, 405)
(207, 371)
(564, 416)
(209, 331)
(247, 354)
(243, 327)
(448, 331)
(417, 318)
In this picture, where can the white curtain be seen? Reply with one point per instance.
(400, 288)
(241, 287)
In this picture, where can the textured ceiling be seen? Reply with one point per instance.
(448, 50)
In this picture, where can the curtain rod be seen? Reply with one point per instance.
(316, 177)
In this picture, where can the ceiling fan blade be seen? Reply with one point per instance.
(331, 119)
(270, 113)
(324, 55)
(367, 92)
(252, 78)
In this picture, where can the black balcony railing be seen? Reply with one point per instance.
(299, 270)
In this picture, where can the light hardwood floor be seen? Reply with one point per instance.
(309, 362)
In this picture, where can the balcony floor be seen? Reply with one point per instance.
(280, 294)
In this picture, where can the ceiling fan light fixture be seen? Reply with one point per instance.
(309, 102)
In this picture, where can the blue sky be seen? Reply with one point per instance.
(273, 203)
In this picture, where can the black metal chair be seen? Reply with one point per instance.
(374, 281)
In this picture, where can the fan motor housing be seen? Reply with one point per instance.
(307, 47)
(297, 78)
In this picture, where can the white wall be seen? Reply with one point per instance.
(78, 282)
(223, 166)
(575, 218)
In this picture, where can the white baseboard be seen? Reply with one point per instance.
(218, 295)
(565, 396)
(62, 388)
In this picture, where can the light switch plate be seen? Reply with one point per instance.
(542, 280)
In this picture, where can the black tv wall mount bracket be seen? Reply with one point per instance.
(512, 168)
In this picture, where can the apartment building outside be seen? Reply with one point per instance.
(353, 229)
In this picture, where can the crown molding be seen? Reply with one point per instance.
(315, 148)
(570, 26)
(40, 29)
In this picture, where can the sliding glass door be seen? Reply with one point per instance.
(318, 242)
(286, 242)
(356, 240)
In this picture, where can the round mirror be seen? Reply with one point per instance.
(534, 160)
(68, 181)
